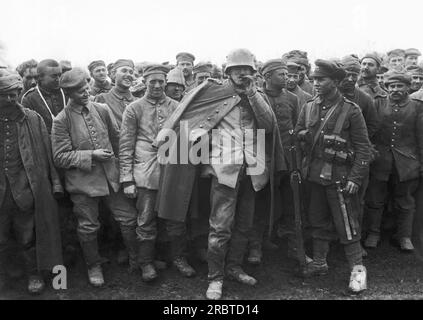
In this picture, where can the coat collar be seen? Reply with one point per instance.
(401, 104)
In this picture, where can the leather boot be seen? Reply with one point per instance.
(146, 259)
(130, 239)
(90, 252)
(319, 265)
(183, 267)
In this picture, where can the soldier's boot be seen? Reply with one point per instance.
(372, 240)
(406, 245)
(358, 279)
(255, 256)
(95, 275)
(146, 259)
(236, 273)
(36, 284)
(149, 272)
(318, 266)
(178, 249)
(183, 267)
(214, 291)
(131, 243)
(93, 260)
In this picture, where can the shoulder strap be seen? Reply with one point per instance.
(341, 119)
(325, 120)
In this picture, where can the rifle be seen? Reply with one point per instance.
(296, 185)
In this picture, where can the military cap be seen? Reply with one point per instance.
(297, 56)
(414, 70)
(374, 56)
(155, 68)
(396, 53)
(351, 64)
(397, 76)
(66, 65)
(326, 68)
(96, 63)
(272, 65)
(412, 52)
(185, 56)
(292, 67)
(74, 78)
(123, 63)
(176, 76)
(9, 80)
(48, 63)
(202, 67)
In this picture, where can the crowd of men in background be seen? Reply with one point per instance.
(78, 147)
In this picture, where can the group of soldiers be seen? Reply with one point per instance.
(342, 144)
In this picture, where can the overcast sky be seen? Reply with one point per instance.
(155, 30)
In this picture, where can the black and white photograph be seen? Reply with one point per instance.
(211, 154)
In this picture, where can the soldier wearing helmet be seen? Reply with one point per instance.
(233, 109)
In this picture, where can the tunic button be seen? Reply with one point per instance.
(322, 119)
(217, 111)
(234, 97)
(392, 145)
(201, 125)
(208, 118)
(94, 139)
(225, 103)
(92, 132)
(6, 119)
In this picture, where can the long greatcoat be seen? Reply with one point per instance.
(35, 150)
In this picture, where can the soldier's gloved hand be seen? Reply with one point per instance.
(102, 155)
(130, 190)
(250, 85)
(351, 187)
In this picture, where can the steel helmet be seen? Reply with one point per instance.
(240, 57)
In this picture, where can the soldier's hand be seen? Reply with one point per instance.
(250, 85)
(351, 187)
(102, 155)
(130, 191)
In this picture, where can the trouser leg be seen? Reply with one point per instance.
(376, 196)
(258, 230)
(24, 226)
(177, 232)
(223, 205)
(405, 206)
(125, 213)
(146, 225)
(86, 211)
(244, 216)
